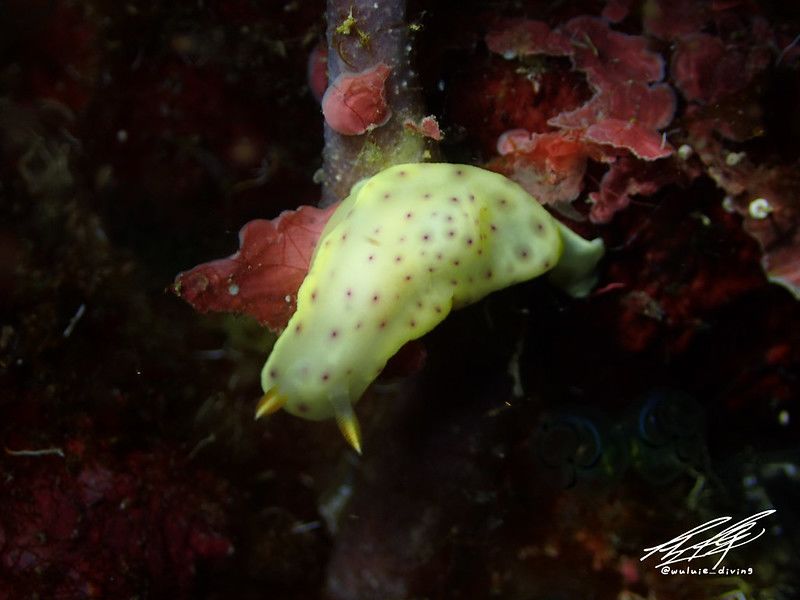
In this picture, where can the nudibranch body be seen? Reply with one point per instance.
(406, 246)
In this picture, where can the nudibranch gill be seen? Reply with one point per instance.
(405, 247)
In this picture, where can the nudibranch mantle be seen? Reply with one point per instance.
(405, 247)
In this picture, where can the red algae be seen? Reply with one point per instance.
(550, 166)
(355, 103)
(628, 110)
(426, 127)
(261, 279)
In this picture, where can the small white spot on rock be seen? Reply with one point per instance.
(728, 205)
(734, 158)
(233, 289)
(760, 208)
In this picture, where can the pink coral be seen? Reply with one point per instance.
(521, 37)
(356, 102)
(626, 177)
(550, 166)
(426, 127)
(776, 225)
(629, 107)
(706, 70)
(609, 57)
(616, 10)
(670, 19)
(650, 107)
(640, 140)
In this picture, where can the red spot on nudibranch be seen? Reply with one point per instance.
(356, 102)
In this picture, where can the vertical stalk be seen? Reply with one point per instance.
(360, 35)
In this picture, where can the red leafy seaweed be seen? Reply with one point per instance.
(261, 279)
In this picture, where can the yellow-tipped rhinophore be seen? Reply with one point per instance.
(347, 421)
(270, 402)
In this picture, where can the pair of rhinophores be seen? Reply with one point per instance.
(404, 248)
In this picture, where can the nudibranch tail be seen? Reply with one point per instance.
(347, 421)
(270, 402)
(575, 272)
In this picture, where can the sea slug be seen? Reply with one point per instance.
(404, 248)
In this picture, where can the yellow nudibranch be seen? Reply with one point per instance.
(406, 246)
